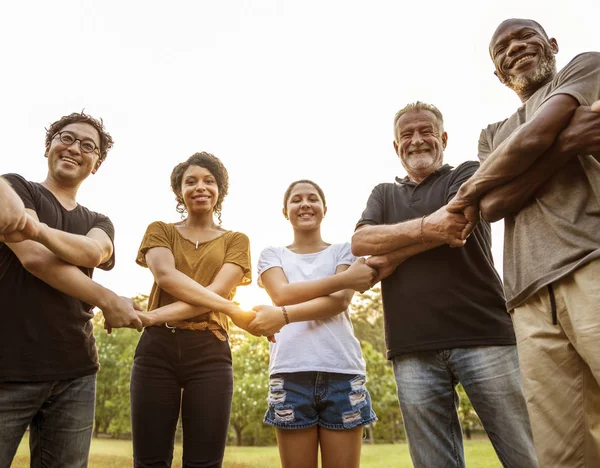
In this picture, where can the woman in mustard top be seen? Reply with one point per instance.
(183, 359)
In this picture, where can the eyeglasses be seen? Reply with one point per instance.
(67, 138)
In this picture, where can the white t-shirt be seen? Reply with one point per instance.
(318, 345)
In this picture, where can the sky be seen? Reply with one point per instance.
(279, 90)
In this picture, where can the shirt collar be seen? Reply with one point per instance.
(442, 170)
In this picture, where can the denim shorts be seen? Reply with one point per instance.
(304, 399)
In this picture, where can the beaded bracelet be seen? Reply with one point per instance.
(285, 315)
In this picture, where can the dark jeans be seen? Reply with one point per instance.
(177, 369)
(60, 416)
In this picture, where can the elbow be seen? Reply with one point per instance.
(91, 260)
(164, 280)
(345, 302)
(34, 264)
(358, 246)
(492, 210)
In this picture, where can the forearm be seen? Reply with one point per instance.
(66, 278)
(382, 239)
(398, 256)
(72, 248)
(303, 291)
(524, 146)
(181, 311)
(190, 292)
(511, 197)
(320, 308)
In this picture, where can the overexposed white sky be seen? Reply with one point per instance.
(278, 89)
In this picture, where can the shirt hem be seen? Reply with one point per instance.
(337, 370)
(46, 377)
(526, 294)
(498, 341)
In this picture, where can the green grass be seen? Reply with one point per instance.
(117, 453)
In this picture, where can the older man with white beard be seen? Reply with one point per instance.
(445, 317)
(540, 172)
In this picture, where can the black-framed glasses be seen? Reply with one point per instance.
(67, 138)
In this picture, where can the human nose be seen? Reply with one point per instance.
(515, 46)
(76, 145)
(417, 138)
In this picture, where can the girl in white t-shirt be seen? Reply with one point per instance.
(317, 391)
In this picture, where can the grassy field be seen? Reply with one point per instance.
(117, 453)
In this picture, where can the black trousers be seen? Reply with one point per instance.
(177, 369)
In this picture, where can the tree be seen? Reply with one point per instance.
(366, 312)
(251, 385)
(115, 353)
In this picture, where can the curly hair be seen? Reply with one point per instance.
(216, 168)
(288, 193)
(106, 141)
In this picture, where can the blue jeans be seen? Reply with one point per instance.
(60, 414)
(490, 375)
(304, 399)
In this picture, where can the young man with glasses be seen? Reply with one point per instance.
(48, 358)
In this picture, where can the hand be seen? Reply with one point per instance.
(122, 312)
(445, 226)
(30, 230)
(269, 320)
(360, 275)
(383, 266)
(147, 319)
(471, 213)
(582, 135)
(242, 318)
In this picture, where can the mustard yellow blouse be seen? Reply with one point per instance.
(201, 264)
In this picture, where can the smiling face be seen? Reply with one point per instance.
(523, 56)
(420, 143)
(304, 207)
(68, 163)
(199, 189)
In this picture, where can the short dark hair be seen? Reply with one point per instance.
(217, 169)
(288, 192)
(106, 141)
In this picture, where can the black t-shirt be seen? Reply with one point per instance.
(45, 334)
(445, 297)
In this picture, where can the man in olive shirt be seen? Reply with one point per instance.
(540, 172)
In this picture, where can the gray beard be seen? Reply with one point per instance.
(531, 81)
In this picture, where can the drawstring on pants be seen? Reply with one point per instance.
(552, 305)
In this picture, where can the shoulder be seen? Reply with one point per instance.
(236, 236)
(159, 226)
(19, 183)
(584, 59)
(468, 167)
(343, 250)
(271, 252)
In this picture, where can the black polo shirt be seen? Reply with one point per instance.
(445, 297)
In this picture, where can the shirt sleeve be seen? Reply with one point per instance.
(238, 253)
(484, 148)
(157, 235)
(373, 213)
(104, 223)
(460, 175)
(270, 257)
(345, 256)
(580, 78)
(22, 188)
